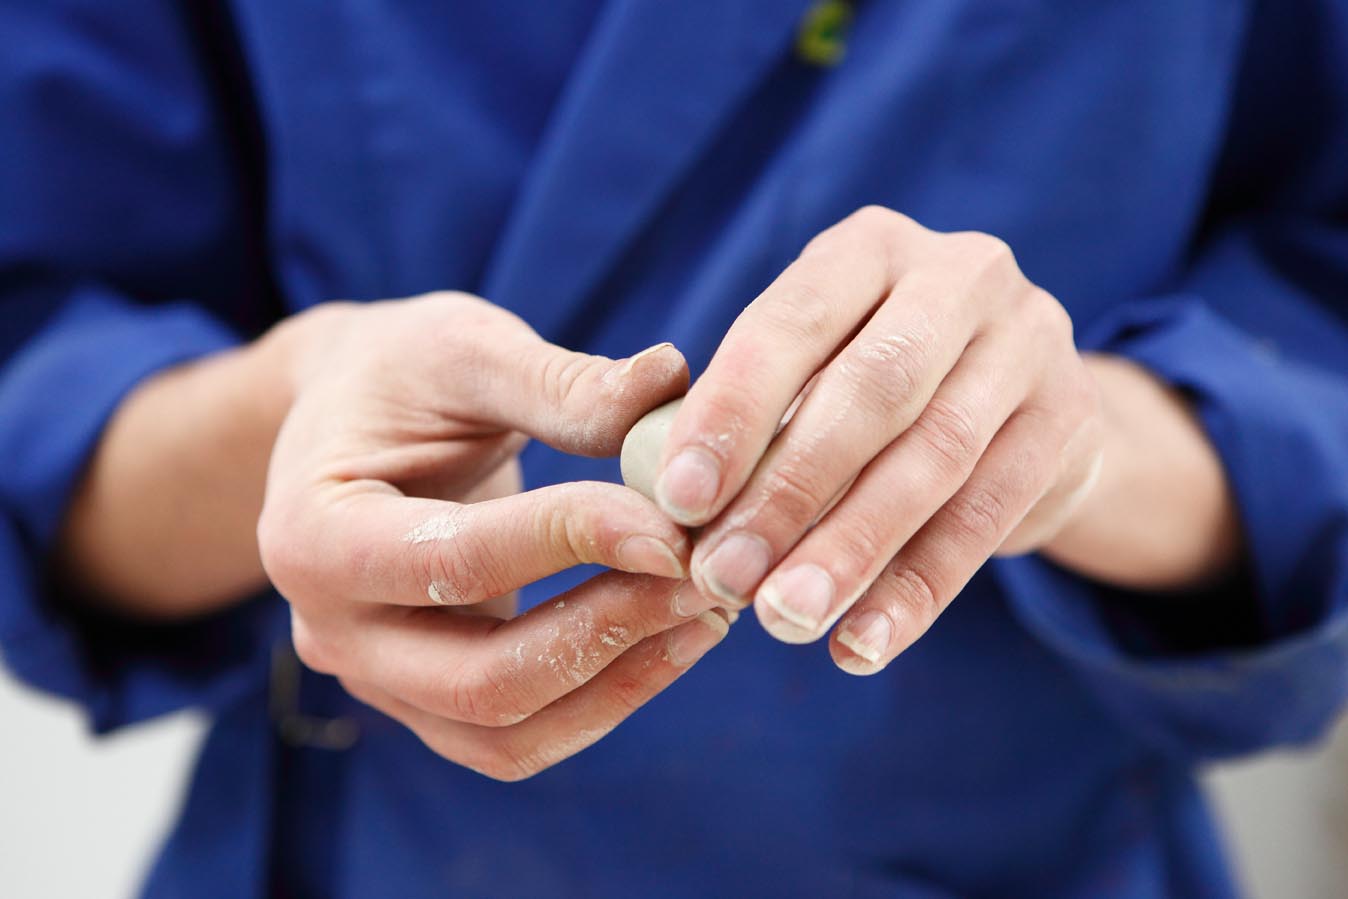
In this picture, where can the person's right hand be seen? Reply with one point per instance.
(404, 413)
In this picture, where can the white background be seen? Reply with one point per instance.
(81, 819)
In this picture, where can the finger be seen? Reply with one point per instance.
(894, 496)
(506, 480)
(1078, 471)
(774, 347)
(872, 392)
(934, 566)
(500, 371)
(495, 673)
(575, 402)
(368, 543)
(573, 722)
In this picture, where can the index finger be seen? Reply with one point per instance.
(372, 544)
(771, 351)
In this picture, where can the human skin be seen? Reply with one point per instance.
(374, 428)
(359, 457)
(946, 417)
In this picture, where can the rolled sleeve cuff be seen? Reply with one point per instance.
(57, 394)
(1281, 430)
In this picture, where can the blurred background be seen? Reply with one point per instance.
(80, 818)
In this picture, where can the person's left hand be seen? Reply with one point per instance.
(944, 416)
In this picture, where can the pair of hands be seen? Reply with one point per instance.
(936, 412)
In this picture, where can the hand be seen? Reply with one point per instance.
(943, 415)
(378, 530)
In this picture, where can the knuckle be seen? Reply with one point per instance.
(951, 435)
(871, 219)
(445, 748)
(467, 311)
(894, 364)
(796, 494)
(313, 652)
(460, 570)
(889, 231)
(1051, 317)
(503, 762)
(988, 249)
(570, 530)
(915, 593)
(483, 696)
(488, 753)
(626, 694)
(805, 315)
(878, 218)
(442, 741)
(454, 302)
(978, 515)
(562, 373)
(860, 539)
(460, 698)
(282, 554)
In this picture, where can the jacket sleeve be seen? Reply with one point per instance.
(1255, 331)
(124, 249)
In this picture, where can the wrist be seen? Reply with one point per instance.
(1160, 515)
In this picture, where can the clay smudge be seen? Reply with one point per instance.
(615, 636)
(444, 593)
(441, 527)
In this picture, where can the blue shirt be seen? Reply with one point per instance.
(176, 176)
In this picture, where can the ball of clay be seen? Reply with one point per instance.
(642, 447)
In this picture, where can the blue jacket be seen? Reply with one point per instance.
(174, 176)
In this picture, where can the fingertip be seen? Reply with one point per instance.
(617, 527)
(661, 363)
(627, 390)
(687, 643)
(849, 662)
(861, 644)
(687, 600)
(687, 488)
(641, 382)
(778, 626)
(642, 554)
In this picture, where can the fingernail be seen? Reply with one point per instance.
(649, 351)
(868, 635)
(689, 642)
(624, 367)
(687, 487)
(733, 569)
(689, 601)
(648, 555)
(802, 596)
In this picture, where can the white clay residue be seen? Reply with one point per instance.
(614, 636)
(441, 527)
(570, 652)
(443, 593)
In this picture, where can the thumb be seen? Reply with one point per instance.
(581, 403)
